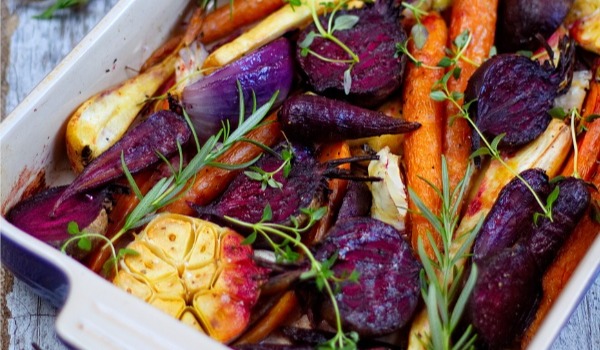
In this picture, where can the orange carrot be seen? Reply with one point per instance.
(422, 148)
(278, 314)
(222, 22)
(337, 188)
(479, 18)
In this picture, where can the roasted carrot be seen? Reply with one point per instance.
(479, 18)
(337, 188)
(278, 314)
(228, 18)
(422, 148)
(576, 246)
(211, 181)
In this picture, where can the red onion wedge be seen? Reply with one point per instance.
(215, 98)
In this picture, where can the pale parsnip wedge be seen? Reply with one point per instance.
(103, 119)
(275, 25)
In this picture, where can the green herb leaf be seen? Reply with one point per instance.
(73, 228)
(462, 39)
(438, 96)
(250, 239)
(308, 40)
(558, 113)
(525, 53)
(344, 22)
(419, 34)
(445, 62)
(84, 243)
(590, 118)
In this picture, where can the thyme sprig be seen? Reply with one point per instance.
(59, 5)
(169, 189)
(267, 178)
(343, 22)
(440, 92)
(442, 275)
(320, 271)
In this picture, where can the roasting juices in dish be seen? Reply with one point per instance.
(341, 174)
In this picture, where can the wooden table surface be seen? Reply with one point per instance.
(30, 49)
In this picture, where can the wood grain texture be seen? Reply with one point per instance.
(28, 54)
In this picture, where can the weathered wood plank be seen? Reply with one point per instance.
(35, 48)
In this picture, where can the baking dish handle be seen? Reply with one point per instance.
(97, 315)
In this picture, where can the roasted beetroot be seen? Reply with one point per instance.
(356, 202)
(511, 215)
(388, 290)
(317, 118)
(512, 95)
(33, 214)
(140, 148)
(378, 72)
(548, 235)
(512, 259)
(520, 20)
(246, 198)
(504, 296)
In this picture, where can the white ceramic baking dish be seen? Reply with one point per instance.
(95, 314)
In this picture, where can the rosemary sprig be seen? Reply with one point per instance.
(320, 271)
(442, 275)
(441, 92)
(59, 5)
(169, 189)
(334, 23)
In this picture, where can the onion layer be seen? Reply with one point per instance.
(215, 98)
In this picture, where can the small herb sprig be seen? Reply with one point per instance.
(267, 178)
(440, 93)
(169, 189)
(59, 5)
(320, 271)
(442, 275)
(334, 23)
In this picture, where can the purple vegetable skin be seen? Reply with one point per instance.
(245, 198)
(320, 119)
(160, 133)
(356, 202)
(548, 236)
(33, 214)
(373, 39)
(511, 215)
(513, 95)
(215, 98)
(387, 292)
(520, 20)
(513, 258)
(508, 286)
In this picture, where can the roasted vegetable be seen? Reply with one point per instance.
(317, 118)
(214, 99)
(376, 74)
(286, 191)
(87, 210)
(476, 18)
(423, 164)
(504, 104)
(520, 20)
(512, 259)
(357, 201)
(387, 292)
(511, 214)
(195, 271)
(138, 149)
